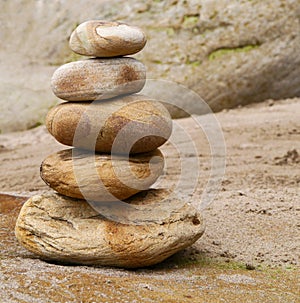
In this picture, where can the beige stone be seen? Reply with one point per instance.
(132, 123)
(100, 177)
(98, 79)
(62, 229)
(106, 39)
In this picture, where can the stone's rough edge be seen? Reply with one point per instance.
(117, 253)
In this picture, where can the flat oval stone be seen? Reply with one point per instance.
(100, 177)
(62, 229)
(106, 39)
(98, 79)
(132, 124)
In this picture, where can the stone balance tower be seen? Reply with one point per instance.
(117, 130)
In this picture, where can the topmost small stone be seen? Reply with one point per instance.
(106, 39)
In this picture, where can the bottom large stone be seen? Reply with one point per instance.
(63, 229)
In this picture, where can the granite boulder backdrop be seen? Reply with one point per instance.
(229, 52)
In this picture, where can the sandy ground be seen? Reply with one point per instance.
(252, 223)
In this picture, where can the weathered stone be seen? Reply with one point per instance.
(106, 39)
(100, 177)
(224, 53)
(132, 123)
(62, 229)
(98, 79)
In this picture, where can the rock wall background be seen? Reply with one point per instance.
(229, 52)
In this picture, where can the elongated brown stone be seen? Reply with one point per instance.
(100, 177)
(132, 124)
(98, 79)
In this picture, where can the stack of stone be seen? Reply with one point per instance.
(115, 133)
(103, 114)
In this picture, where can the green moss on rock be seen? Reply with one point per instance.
(190, 21)
(225, 51)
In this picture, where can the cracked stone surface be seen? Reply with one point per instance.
(68, 230)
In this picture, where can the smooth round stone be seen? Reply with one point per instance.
(101, 177)
(106, 39)
(98, 79)
(66, 230)
(132, 124)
